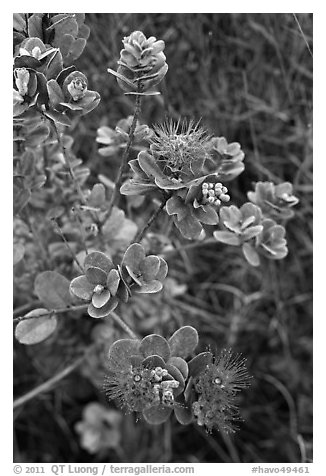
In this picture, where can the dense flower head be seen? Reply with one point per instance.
(179, 145)
(103, 285)
(175, 164)
(275, 201)
(148, 376)
(142, 63)
(213, 387)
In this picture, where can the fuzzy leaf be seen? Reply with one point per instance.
(99, 300)
(208, 215)
(58, 117)
(19, 251)
(133, 256)
(32, 331)
(53, 289)
(180, 364)
(103, 311)
(120, 353)
(183, 415)
(149, 288)
(19, 23)
(55, 94)
(149, 267)
(97, 195)
(157, 415)
(82, 288)
(113, 281)
(97, 259)
(35, 26)
(227, 237)
(96, 275)
(163, 270)
(198, 363)
(22, 194)
(175, 206)
(153, 361)
(183, 342)
(177, 375)
(189, 227)
(154, 344)
(76, 49)
(250, 254)
(131, 187)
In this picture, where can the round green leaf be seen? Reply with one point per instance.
(157, 415)
(97, 259)
(96, 275)
(180, 364)
(82, 288)
(121, 351)
(154, 344)
(19, 251)
(103, 311)
(198, 363)
(183, 415)
(183, 342)
(250, 254)
(32, 331)
(99, 300)
(227, 237)
(53, 289)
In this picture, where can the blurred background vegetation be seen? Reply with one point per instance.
(247, 77)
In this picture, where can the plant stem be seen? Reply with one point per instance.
(74, 257)
(141, 233)
(68, 164)
(125, 156)
(52, 312)
(122, 324)
(46, 386)
(189, 246)
(26, 307)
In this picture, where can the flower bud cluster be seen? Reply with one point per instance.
(142, 388)
(142, 63)
(214, 194)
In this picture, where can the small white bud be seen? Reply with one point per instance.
(225, 198)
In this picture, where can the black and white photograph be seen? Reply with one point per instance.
(162, 241)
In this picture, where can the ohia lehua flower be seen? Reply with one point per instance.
(212, 389)
(148, 376)
(175, 166)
